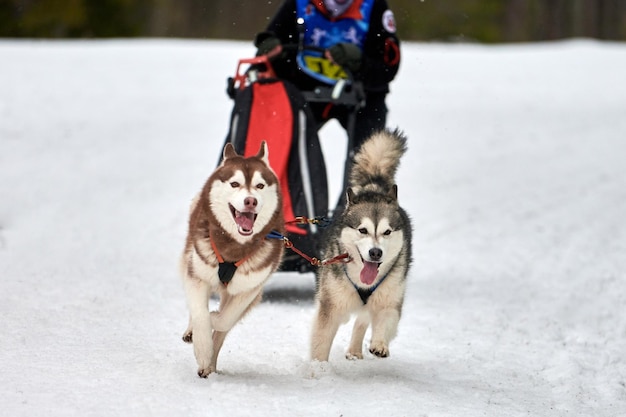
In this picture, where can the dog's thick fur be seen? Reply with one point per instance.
(238, 206)
(376, 233)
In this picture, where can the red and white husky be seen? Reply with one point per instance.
(227, 251)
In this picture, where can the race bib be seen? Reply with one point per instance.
(324, 67)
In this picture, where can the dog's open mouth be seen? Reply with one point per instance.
(369, 272)
(245, 221)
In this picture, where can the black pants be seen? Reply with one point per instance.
(369, 119)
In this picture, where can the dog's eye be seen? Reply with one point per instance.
(387, 232)
(260, 186)
(234, 184)
(363, 230)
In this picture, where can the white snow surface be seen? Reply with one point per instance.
(515, 180)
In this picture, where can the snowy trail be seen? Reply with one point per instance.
(515, 180)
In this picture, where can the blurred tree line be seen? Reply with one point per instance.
(447, 20)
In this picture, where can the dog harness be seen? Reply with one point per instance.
(226, 270)
(365, 293)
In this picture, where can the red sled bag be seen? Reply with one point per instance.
(275, 111)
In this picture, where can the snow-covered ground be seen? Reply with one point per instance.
(515, 180)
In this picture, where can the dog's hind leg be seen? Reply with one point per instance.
(325, 328)
(355, 351)
(384, 328)
(322, 340)
(218, 341)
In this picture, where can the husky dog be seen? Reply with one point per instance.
(376, 233)
(227, 251)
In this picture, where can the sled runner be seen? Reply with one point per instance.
(273, 110)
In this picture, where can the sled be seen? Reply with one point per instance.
(268, 108)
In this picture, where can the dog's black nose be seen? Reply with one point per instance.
(250, 202)
(376, 254)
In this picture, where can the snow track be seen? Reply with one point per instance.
(515, 180)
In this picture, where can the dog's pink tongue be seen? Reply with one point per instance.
(369, 272)
(245, 221)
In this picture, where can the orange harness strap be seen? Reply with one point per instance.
(226, 270)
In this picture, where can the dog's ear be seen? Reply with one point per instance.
(263, 153)
(229, 151)
(349, 196)
(393, 192)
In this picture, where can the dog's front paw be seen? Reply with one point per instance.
(203, 351)
(353, 356)
(188, 336)
(379, 349)
(204, 372)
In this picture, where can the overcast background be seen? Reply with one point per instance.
(489, 21)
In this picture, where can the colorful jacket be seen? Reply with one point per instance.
(367, 23)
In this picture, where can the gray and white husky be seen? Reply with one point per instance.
(376, 233)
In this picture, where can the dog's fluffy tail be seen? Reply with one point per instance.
(377, 161)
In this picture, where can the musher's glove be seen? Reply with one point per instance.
(348, 55)
(265, 42)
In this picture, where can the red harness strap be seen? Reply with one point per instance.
(343, 258)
